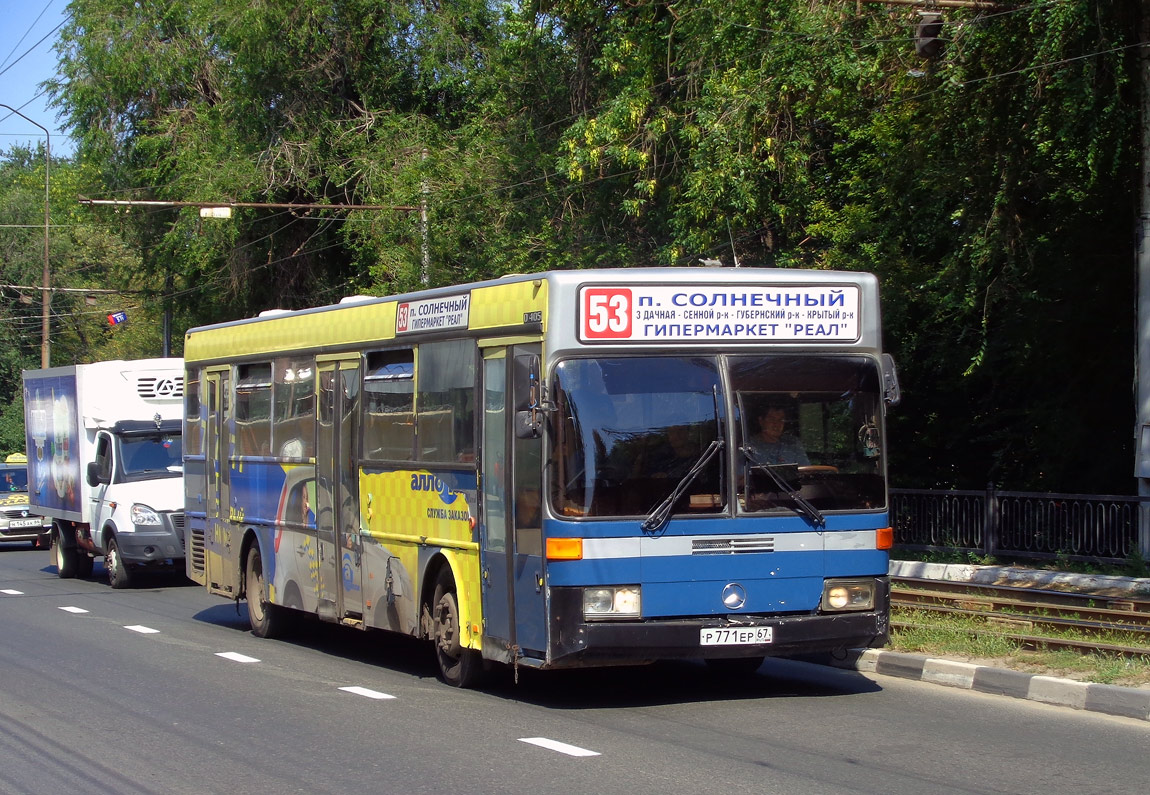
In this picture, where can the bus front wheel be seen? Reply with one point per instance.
(458, 666)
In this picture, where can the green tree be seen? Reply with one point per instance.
(978, 185)
(990, 187)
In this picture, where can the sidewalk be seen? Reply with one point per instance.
(1127, 702)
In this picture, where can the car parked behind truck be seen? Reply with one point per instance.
(105, 453)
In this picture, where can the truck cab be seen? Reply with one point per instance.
(137, 496)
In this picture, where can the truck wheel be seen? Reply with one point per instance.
(118, 574)
(83, 565)
(65, 558)
(458, 667)
(267, 620)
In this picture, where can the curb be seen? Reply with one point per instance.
(1126, 702)
(1014, 575)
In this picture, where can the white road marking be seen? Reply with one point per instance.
(236, 656)
(142, 629)
(555, 745)
(363, 691)
(73, 610)
(10, 592)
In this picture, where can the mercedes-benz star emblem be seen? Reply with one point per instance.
(734, 596)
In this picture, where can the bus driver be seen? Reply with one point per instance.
(771, 445)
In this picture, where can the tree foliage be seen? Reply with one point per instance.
(991, 187)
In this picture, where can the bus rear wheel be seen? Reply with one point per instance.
(458, 666)
(267, 620)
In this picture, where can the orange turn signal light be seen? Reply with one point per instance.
(884, 538)
(564, 548)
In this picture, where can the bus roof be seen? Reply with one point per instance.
(717, 306)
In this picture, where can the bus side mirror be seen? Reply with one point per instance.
(890, 389)
(527, 396)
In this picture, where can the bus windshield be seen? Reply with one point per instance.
(633, 432)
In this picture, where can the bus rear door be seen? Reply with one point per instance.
(337, 490)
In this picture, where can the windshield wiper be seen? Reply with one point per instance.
(802, 506)
(662, 512)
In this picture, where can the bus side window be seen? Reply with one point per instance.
(253, 409)
(446, 419)
(293, 419)
(389, 406)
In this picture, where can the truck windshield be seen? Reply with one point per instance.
(151, 456)
(628, 430)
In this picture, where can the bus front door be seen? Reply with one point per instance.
(511, 536)
(337, 491)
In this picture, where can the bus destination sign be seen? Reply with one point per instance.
(703, 313)
(433, 314)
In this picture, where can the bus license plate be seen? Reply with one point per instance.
(735, 636)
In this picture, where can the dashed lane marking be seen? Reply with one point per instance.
(70, 609)
(235, 656)
(555, 745)
(363, 691)
(142, 629)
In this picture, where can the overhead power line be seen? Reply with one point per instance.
(234, 205)
(930, 4)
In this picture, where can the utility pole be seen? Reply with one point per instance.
(1142, 341)
(424, 245)
(46, 279)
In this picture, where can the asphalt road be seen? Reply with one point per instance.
(106, 691)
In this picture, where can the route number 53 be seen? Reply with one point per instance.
(606, 313)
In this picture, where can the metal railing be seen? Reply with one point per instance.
(1017, 524)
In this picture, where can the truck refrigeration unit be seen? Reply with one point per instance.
(105, 463)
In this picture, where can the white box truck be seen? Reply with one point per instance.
(105, 463)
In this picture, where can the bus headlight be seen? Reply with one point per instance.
(844, 595)
(618, 601)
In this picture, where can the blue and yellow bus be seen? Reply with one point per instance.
(571, 468)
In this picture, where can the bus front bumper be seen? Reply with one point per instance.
(579, 643)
